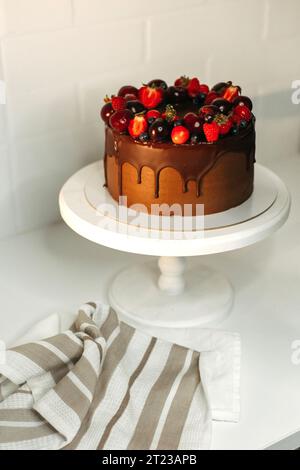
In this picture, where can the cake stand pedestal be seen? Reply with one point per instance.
(168, 293)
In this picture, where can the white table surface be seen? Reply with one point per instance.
(54, 270)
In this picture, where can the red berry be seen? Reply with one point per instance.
(212, 95)
(243, 101)
(138, 126)
(243, 112)
(193, 87)
(193, 123)
(118, 103)
(211, 131)
(180, 135)
(231, 92)
(151, 97)
(106, 112)
(182, 81)
(153, 113)
(120, 120)
(225, 123)
(128, 90)
(204, 89)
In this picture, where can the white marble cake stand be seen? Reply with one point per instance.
(169, 294)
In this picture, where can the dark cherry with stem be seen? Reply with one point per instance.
(106, 112)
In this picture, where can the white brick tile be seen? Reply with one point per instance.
(42, 111)
(101, 11)
(38, 61)
(217, 28)
(283, 19)
(37, 15)
(7, 225)
(40, 167)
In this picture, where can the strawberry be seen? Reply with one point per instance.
(225, 123)
(170, 113)
(212, 95)
(231, 92)
(151, 97)
(243, 112)
(137, 126)
(153, 114)
(118, 103)
(211, 131)
(204, 89)
(182, 81)
(193, 87)
(180, 135)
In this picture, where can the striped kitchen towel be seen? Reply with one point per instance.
(104, 385)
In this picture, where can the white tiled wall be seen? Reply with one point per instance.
(60, 57)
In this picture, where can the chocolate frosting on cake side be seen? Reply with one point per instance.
(192, 162)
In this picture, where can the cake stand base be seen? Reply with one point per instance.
(171, 297)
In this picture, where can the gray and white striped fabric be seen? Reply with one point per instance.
(103, 385)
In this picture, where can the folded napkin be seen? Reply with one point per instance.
(104, 385)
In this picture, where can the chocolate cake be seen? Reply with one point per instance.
(184, 144)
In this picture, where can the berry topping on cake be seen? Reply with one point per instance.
(180, 135)
(120, 120)
(244, 112)
(225, 123)
(135, 106)
(106, 112)
(158, 83)
(182, 81)
(193, 122)
(210, 97)
(170, 114)
(204, 89)
(193, 87)
(151, 97)
(153, 114)
(187, 112)
(159, 131)
(208, 112)
(243, 101)
(231, 92)
(211, 131)
(224, 106)
(118, 103)
(137, 126)
(176, 94)
(128, 90)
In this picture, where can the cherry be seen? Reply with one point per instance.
(221, 87)
(242, 101)
(224, 106)
(120, 120)
(176, 94)
(180, 135)
(135, 106)
(159, 130)
(158, 83)
(208, 112)
(128, 90)
(106, 112)
(193, 123)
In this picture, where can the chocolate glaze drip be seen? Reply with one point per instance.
(192, 162)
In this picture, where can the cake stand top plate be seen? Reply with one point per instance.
(81, 204)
